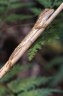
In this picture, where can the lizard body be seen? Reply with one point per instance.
(39, 24)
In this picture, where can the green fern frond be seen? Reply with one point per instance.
(27, 84)
(14, 71)
(45, 3)
(41, 92)
(20, 5)
(3, 2)
(2, 9)
(15, 17)
(33, 51)
(2, 90)
(50, 3)
(47, 37)
(8, 5)
(58, 77)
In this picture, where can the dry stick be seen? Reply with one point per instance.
(45, 18)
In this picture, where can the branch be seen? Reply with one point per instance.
(45, 18)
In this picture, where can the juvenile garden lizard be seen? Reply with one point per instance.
(40, 23)
(28, 40)
(45, 18)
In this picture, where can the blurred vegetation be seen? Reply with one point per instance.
(40, 85)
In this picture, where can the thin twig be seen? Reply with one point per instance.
(43, 21)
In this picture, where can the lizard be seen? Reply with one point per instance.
(39, 24)
(28, 40)
(47, 17)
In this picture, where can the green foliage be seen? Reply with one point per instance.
(31, 86)
(58, 77)
(7, 6)
(50, 3)
(46, 3)
(3, 90)
(58, 61)
(15, 17)
(16, 69)
(20, 5)
(40, 92)
(27, 84)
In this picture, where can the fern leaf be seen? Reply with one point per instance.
(3, 2)
(14, 17)
(58, 2)
(2, 9)
(4, 91)
(16, 69)
(46, 3)
(44, 39)
(20, 5)
(27, 84)
(41, 92)
(57, 78)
